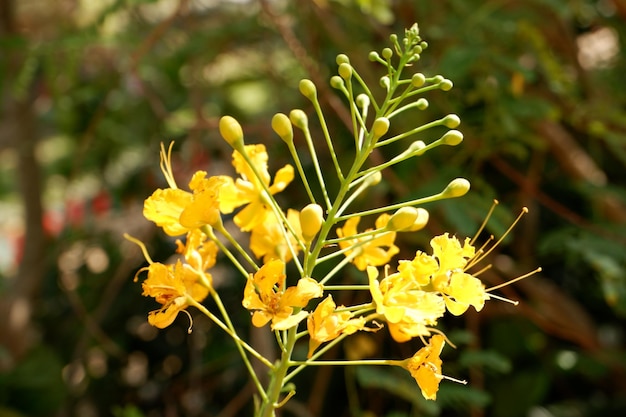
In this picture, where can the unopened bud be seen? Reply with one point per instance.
(299, 119)
(373, 179)
(422, 104)
(402, 219)
(336, 82)
(418, 80)
(311, 220)
(446, 85)
(452, 138)
(373, 56)
(457, 188)
(421, 220)
(451, 121)
(345, 71)
(342, 59)
(387, 53)
(308, 90)
(416, 148)
(231, 131)
(362, 100)
(283, 128)
(384, 82)
(380, 127)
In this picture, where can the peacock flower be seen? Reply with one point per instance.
(425, 367)
(178, 211)
(172, 286)
(249, 190)
(199, 252)
(267, 239)
(266, 296)
(326, 324)
(408, 310)
(371, 251)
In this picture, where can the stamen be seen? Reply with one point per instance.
(141, 245)
(476, 274)
(504, 284)
(439, 332)
(166, 165)
(190, 321)
(487, 217)
(458, 381)
(497, 297)
(524, 211)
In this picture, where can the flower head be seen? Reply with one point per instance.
(408, 310)
(249, 190)
(266, 296)
(172, 286)
(371, 251)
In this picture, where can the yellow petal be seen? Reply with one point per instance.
(164, 207)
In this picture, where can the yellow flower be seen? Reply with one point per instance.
(172, 286)
(248, 190)
(408, 310)
(449, 252)
(178, 211)
(371, 253)
(267, 239)
(265, 294)
(425, 367)
(199, 252)
(326, 324)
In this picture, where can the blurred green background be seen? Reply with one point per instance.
(89, 89)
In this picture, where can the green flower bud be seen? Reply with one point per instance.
(402, 219)
(417, 148)
(446, 85)
(298, 119)
(422, 104)
(423, 45)
(362, 100)
(283, 128)
(308, 90)
(452, 138)
(311, 220)
(373, 178)
(373, 56)
(418, 80)
(387, 53)
(384, 82)
(342, 59)
(451, 121)
(231, 131)
(345, 71)
(380, 127)
(420, 221)
(457, 188)
(336, 82)
(438, 78)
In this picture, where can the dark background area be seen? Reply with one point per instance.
(89, 89)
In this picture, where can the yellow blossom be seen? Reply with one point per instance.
(267, 239)
(249, 190)
(371, 253)
(425, 367)
(171, 286)
(178, 211)
(408, 310)
(199, 252)
(266, 296)
(326, 324)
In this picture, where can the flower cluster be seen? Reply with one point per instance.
(281, 283)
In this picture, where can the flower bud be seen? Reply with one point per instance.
(418, 80)
(299, 119)
(384, 82)
(362, 100)
(457, 188)
(373, 178)
(402, 219)
(283, 128)
(342, 59)
(311, 220)
(345, 71)
(387, 53)
(451, 121)
(231, 131)
(308, 90)
(373, 56)
(422, 104)
(445, 85)
(452, 138)
(336, 82)
(417, 148)
(380, 127)
(421, 220)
